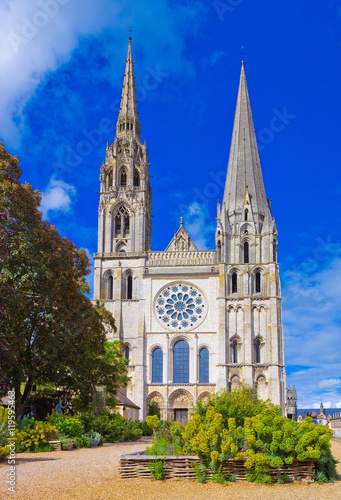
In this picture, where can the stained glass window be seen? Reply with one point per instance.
(126, 354)
(203, 366)
(181, 362)
(157, 366)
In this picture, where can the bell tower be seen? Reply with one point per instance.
(246, 244)
(125, 195)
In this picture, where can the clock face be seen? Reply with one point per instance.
(180, 306)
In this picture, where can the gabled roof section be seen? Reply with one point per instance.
(181, 241)
(244, 174)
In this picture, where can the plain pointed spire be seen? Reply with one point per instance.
(128, 117)
(244, 174)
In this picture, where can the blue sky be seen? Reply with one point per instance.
(61, 70)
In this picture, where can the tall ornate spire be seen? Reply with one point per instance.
(128, 122)
(244, 174)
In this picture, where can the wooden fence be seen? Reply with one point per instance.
(136, 466)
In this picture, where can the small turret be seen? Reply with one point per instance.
(291, 409)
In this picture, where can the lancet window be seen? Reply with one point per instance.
(122, 222)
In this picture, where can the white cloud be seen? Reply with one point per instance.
(312, 331)
(40, 35)
(57, 197)
(330, 383)
(197, 224)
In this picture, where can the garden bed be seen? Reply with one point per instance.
(180, 467)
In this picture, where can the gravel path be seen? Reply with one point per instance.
(93, 474)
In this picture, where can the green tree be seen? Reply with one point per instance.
(50, 332)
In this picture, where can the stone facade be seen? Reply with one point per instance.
(224, 303)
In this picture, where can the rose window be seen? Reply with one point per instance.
(180, 306)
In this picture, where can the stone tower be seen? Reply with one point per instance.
(291, 409)
(246, 243)
(125, 199)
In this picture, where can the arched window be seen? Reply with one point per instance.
(136, 178)
(126, 354)
(246, 214)
(110, 287)
(157, 366)
(235, 352)
(257, 351)
(203, 366)
(122, 223)
(234, 283)
(130, 287)
(123, 177)
(181, 362)
(246, 253)
(258, 282)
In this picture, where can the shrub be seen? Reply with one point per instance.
(157, 468)
(146, 430)
(167, 437)
(30, 439)
(112, 426)
(95, 439)
(266, 440)
(82, 441)
(154, 409)
(66, 443)
(326, 467)
(26, 421)
(66, 424)
(236, 404)
(4, 447)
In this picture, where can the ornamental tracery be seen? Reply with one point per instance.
(180, 306)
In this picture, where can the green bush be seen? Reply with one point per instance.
(82, 441)
(146, 430)
(236, 404)
(4, 447)
(326, 467)
(66, 443)
(154, 409)
(32, 439)
(66, 424)
(167, 437)
(112, 426)
(26, 421)
(157, 468)
(266, 440)
(95, 439)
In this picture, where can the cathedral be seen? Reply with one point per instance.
(192, 322)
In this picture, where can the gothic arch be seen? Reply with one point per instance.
(156, 397)
(121, 247)
(246, 227)
(123, 176)
(262, 387)
(122, 203)
(204, 396)
(235, 383)
(180, 398)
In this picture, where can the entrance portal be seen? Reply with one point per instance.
(181, 416)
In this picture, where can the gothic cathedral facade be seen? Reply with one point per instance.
(192, 322)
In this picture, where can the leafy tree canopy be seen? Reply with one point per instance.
(49, 330)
